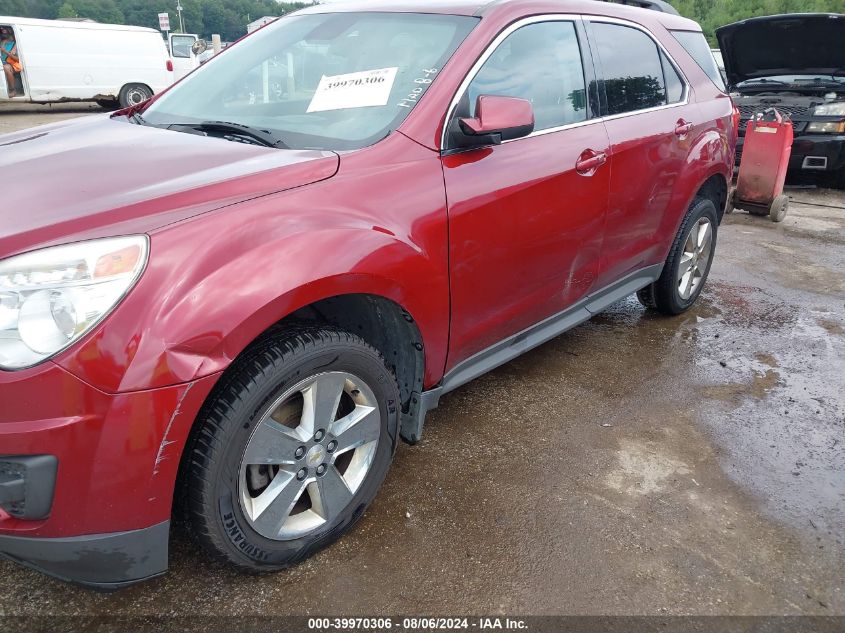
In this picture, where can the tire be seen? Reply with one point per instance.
(670, 294)
(730, 205)
(134, 94)
(223, 489)
(779, 208)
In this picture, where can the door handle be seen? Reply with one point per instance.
(589, 161)
(682, 128)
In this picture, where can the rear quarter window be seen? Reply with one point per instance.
(696, 45)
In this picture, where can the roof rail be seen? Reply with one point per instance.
(654, 5)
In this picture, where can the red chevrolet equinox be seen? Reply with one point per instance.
(226, 305)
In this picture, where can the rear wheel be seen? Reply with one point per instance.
(292, 449)
(134, 94)
(688, 263)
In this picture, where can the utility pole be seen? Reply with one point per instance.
(179, 10)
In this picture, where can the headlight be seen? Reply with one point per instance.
(827, 127)
(830, 109)
(52, 297)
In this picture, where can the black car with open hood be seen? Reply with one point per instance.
(796, 64)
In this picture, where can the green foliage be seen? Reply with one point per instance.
(230, 17)
(712, 14)
(226, 17)
(67, 10)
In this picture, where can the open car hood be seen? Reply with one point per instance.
(789, 44)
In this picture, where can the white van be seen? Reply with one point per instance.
(85, 61)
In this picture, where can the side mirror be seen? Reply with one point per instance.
(199, 47)
(498, 119)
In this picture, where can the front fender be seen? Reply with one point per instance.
(215, 283)
(207, 316)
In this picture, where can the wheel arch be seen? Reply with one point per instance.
(714, 188)
(711, 183)
(380, 321)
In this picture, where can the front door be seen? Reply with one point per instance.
(184, 60)
(526, 216)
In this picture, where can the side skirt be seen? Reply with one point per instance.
(521, 342)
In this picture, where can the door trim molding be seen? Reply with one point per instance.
(576, 18)
(517, 344)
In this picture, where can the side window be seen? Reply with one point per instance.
(633, 74)
(674, 83)
(541, 63)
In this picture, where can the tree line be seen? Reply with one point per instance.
(230, 17)
(226, 17)
(711, 14)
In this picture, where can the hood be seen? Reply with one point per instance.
(98, 176)
(790, 44)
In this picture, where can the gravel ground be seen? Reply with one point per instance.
(635, 465)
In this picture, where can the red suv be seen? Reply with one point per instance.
(227, 304)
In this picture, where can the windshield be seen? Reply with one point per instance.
(330, 81)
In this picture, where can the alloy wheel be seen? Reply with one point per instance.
(308, 455)
(698, 248)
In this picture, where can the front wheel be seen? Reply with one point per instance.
(688, 263)
(292, 448)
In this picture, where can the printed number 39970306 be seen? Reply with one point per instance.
(356, 82)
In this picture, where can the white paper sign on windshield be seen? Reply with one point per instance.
(353, 90)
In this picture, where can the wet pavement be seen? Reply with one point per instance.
(635, 465)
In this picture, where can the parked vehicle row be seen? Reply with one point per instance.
(230, 305)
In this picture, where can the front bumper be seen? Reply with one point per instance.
(819, 153)
(116, 460)
(100, 561)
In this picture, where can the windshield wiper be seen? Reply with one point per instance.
(137, 119)
(237, 129)
(763, 80)
(820, 81)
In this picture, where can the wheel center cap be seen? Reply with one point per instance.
(315, 456)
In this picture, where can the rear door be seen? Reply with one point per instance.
(525, 221)
(651, 125)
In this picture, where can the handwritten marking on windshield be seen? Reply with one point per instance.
(411, 100)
